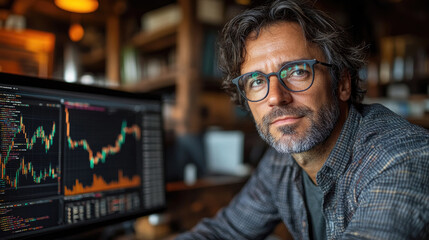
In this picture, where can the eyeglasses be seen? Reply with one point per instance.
(296, 76)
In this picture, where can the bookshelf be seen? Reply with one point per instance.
(149, 43)
(156, 40)
(154, 83)
(27, 52)
(171, 56)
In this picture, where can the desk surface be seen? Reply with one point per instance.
(206, 182)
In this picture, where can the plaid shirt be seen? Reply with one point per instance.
(375, 184)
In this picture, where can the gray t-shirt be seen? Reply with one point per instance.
(313, 201)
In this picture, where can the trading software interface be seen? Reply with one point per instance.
(71, 158)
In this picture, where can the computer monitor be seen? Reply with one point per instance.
(75, 156)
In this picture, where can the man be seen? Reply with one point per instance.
(338, 169)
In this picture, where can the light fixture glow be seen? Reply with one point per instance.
(76, 32)
(77, 6)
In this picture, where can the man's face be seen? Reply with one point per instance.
(291, 122)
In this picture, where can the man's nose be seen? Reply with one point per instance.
(278, 94)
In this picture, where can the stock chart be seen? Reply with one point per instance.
(29, 147)
(30, 161)
(100, 149)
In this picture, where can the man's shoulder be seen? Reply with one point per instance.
(384, 138)
(381, 126)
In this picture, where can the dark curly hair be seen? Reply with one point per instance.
(318, 28)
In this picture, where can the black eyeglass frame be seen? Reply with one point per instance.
(310, 62)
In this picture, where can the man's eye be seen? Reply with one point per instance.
(256, 82)
(299, 72)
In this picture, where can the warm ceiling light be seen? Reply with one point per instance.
(76, 32)
(78, 6)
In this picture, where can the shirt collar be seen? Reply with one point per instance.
(340, 156)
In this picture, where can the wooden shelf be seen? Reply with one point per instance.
(27, 52)
(183, 42)
(153, 83)
(95, 57)
(156, 40)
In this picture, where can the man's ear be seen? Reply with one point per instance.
(345, 86)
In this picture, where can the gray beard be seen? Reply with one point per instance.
(322, 124)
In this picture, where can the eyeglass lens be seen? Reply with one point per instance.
(296, 76)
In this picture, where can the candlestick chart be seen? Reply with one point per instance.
(29, 147)
(101, 149)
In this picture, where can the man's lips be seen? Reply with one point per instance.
(285, 120)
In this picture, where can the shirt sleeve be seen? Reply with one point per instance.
(252, 214)
(395, 204)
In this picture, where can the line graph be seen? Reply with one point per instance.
(105, 151)
(101, 146)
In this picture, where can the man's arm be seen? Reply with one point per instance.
(252, 214)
